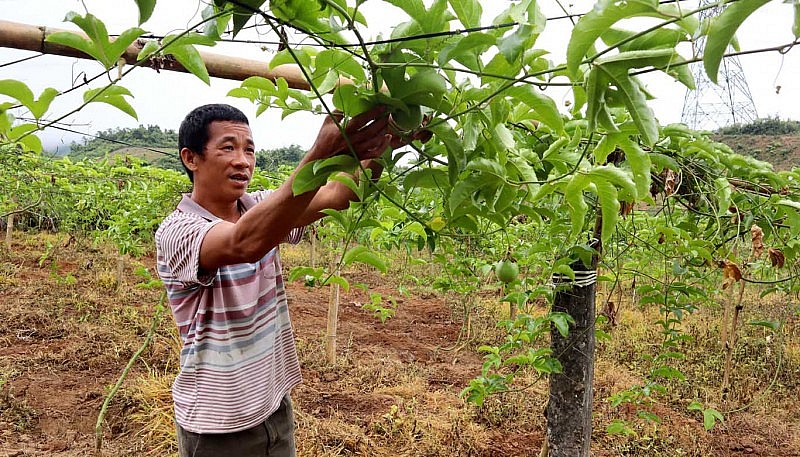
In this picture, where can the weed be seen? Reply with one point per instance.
(13, 410)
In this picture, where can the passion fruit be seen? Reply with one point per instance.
(506, 270)
(408, 120)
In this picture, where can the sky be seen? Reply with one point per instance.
(164, 98)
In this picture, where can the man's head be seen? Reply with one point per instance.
(194, 131)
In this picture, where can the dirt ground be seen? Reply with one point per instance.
(394, 389)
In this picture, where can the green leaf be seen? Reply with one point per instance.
(347, 100)
(145, 9)
(22, 135)
(593, 24)
(722, 192)
(20, 92)
(285, 57)
(772, 325)
(336, 279)
(363, 254)
(663, 59)
(417, 229)
(573, 195)
(561, 322)
(298, 272)
(148, 49)
(467, 50)
(117, 48)
(182, 48)
(609, 208)
(215, 23)
(17, 90)
(428, 178)
(640, 163)
(242, 12)
(315, 174)
(722, 30)
(414, 8)
(338, 163)
(617, 176)
(595, 87)
(468, 12)
(544, 107)
(341, 62)
(40, 106)
(636, 102)
(710, 418)
(112, 95)
(654, 39)
(97, 45)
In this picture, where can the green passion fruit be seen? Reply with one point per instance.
(506, 270)
(408, 120)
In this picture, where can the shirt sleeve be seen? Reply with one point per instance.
(178, 243)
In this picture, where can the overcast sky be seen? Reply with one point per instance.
(164, 98)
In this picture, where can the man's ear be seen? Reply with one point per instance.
(189, 159)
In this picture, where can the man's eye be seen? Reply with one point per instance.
(227, 148)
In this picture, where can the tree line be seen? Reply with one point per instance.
(160, 148)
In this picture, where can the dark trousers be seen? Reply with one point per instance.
(272, 438)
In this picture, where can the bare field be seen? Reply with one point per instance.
(68, 330)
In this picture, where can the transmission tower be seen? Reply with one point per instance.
(713, 106)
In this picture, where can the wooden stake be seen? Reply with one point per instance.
(333, 318)
(9, 229)
(729, 345)
(120, 270)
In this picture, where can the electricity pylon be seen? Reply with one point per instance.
(713, 106)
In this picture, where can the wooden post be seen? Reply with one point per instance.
(333, 318)
(569, 409)
(120, 269)
(312, 235)
(9, 229)
(333, 315)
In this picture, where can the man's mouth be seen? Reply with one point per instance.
(240, 177)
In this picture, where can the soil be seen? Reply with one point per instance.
(395, 385)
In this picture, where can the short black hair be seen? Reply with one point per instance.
(193, 133)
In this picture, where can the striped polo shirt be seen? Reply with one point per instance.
(238, 358)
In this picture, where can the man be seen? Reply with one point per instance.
(218, 257)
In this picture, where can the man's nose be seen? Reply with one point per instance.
(240, 158)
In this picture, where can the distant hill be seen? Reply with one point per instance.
(782, 151)
(769, 139)
(152, 144)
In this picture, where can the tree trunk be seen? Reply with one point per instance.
(569, 409)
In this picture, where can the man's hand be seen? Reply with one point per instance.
(367, 134)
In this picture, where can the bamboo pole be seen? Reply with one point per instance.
(32, 38)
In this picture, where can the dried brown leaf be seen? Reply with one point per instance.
(670, 182)
(758, 240)
(625, 208)
(776, 257)
(730, 273)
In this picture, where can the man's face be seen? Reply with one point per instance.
(228, 160)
